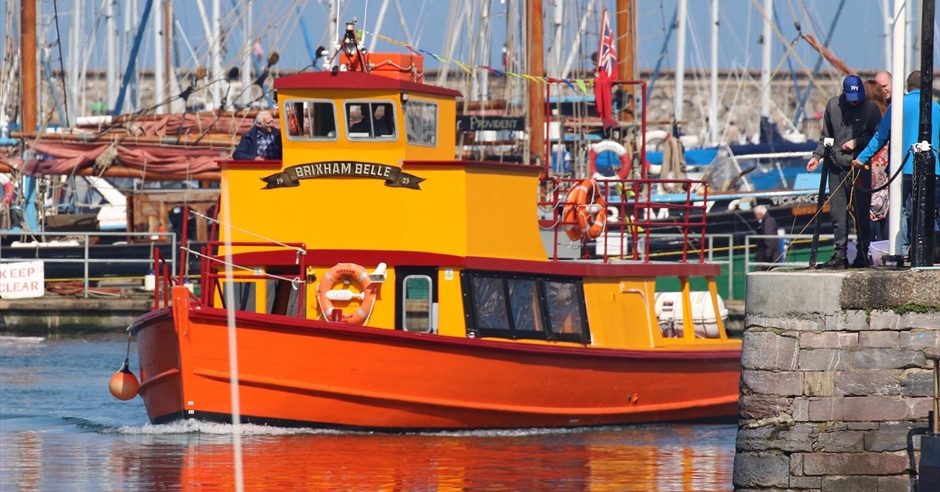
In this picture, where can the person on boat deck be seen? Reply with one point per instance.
(910, 106)
(379, 127)
(768, 248)
(851, 120)
(879, 170)
(883, 79)
(262, 142)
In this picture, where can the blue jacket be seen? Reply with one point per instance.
(248, 146)
(911, 131)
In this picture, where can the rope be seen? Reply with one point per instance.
(672, 164)
(210, 219)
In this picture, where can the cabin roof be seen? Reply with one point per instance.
(357, 80)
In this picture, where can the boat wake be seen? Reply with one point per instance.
(214, 428)
(12, 341)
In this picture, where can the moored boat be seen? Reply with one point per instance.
(378, 283)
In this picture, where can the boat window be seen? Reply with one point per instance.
(370, 120)
(524, 300)
(524, 306)
(489, 297)
(310, 120)
(244, 294)
(282, 298)
(417, 303)
(421, 123)
(564, 307)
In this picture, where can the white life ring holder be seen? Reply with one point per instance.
(337, 274)
(610, 146)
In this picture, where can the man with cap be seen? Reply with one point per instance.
(850, 120)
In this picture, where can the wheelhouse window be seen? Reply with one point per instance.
(417, 304)
(370, 120)
(530, 307)
(310, 120)
(421, 123)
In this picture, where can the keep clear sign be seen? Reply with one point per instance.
(22, 280)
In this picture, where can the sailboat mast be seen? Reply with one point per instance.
(167, 59)
(536, 68)
(626, 43)
(681, 15)
(28, 63)
(765, 60)
(713, 100)
(111, 52)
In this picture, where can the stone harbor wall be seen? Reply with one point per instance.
(833, 377)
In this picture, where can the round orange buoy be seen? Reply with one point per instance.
(124, 384)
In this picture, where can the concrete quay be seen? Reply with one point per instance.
(53, 314)
(834, 376)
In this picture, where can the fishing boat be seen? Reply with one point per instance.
(371, 281)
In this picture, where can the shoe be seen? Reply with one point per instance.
(861, 261)
(834, 263)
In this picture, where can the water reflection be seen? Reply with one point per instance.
(199, 456)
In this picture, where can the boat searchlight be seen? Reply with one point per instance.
(349, 40)
(378, 275)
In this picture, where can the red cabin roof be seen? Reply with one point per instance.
(357, 80)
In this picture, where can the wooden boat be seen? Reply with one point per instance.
(396, 288)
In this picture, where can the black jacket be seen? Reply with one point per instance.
(768, 249)
(247, 148)
(843, 122)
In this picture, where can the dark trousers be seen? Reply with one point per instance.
(843, 193)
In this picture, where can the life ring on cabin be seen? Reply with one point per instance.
(342, 272)
(578, 220)
(610, 146)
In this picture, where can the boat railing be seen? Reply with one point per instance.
(252, 261)
(164, 280)
(633, 217)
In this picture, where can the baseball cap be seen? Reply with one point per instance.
(854, 88)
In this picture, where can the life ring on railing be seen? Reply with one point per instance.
(340, 273)
(610, 146)
(579, 220)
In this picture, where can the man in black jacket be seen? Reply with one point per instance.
(768, 248)
(850, 120)
(262, 142)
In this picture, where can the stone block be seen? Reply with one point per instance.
(920, 339)
(760, 470)
(924, 321)
(874, 409)
(773, 383)
(840, 442)
(754, 439)
(894, 483)
(829, 464)
(803, 323)
(826, 339)
(787, 295)
(862, 426)
(887, 359)
(825, 409)
(917, 382)
(767, 350)
(888, 437)
(763, 407)
(824, 360)
(800, 409)
(796, 465)
(884, 320)
(849, 484)
(848, 340)
(818, 383)
(847, 321)
(805, 482)
(866, 384)
(880, 339)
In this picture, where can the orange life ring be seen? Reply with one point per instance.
(610, 146)
(342, 272)
(578, 221)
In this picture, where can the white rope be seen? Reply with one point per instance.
(210, 219)
(295, 282)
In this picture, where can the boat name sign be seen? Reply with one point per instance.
(392, 175)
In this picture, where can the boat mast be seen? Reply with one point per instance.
(75, 49)
(159, 80)
(28, 63)
(111, 54)
(215, 55)
(681, 17)
(889, 21)
(765, 61)
(167, 59)
(713, 103)
(249, 49)
(626, 48)
(535, 68)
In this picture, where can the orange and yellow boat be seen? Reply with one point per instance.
(371, 281)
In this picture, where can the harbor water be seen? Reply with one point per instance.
(60, 429)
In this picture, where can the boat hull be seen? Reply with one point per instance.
(309, 373)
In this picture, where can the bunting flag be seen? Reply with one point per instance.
(573, 84)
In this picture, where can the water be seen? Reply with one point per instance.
(60, 429)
